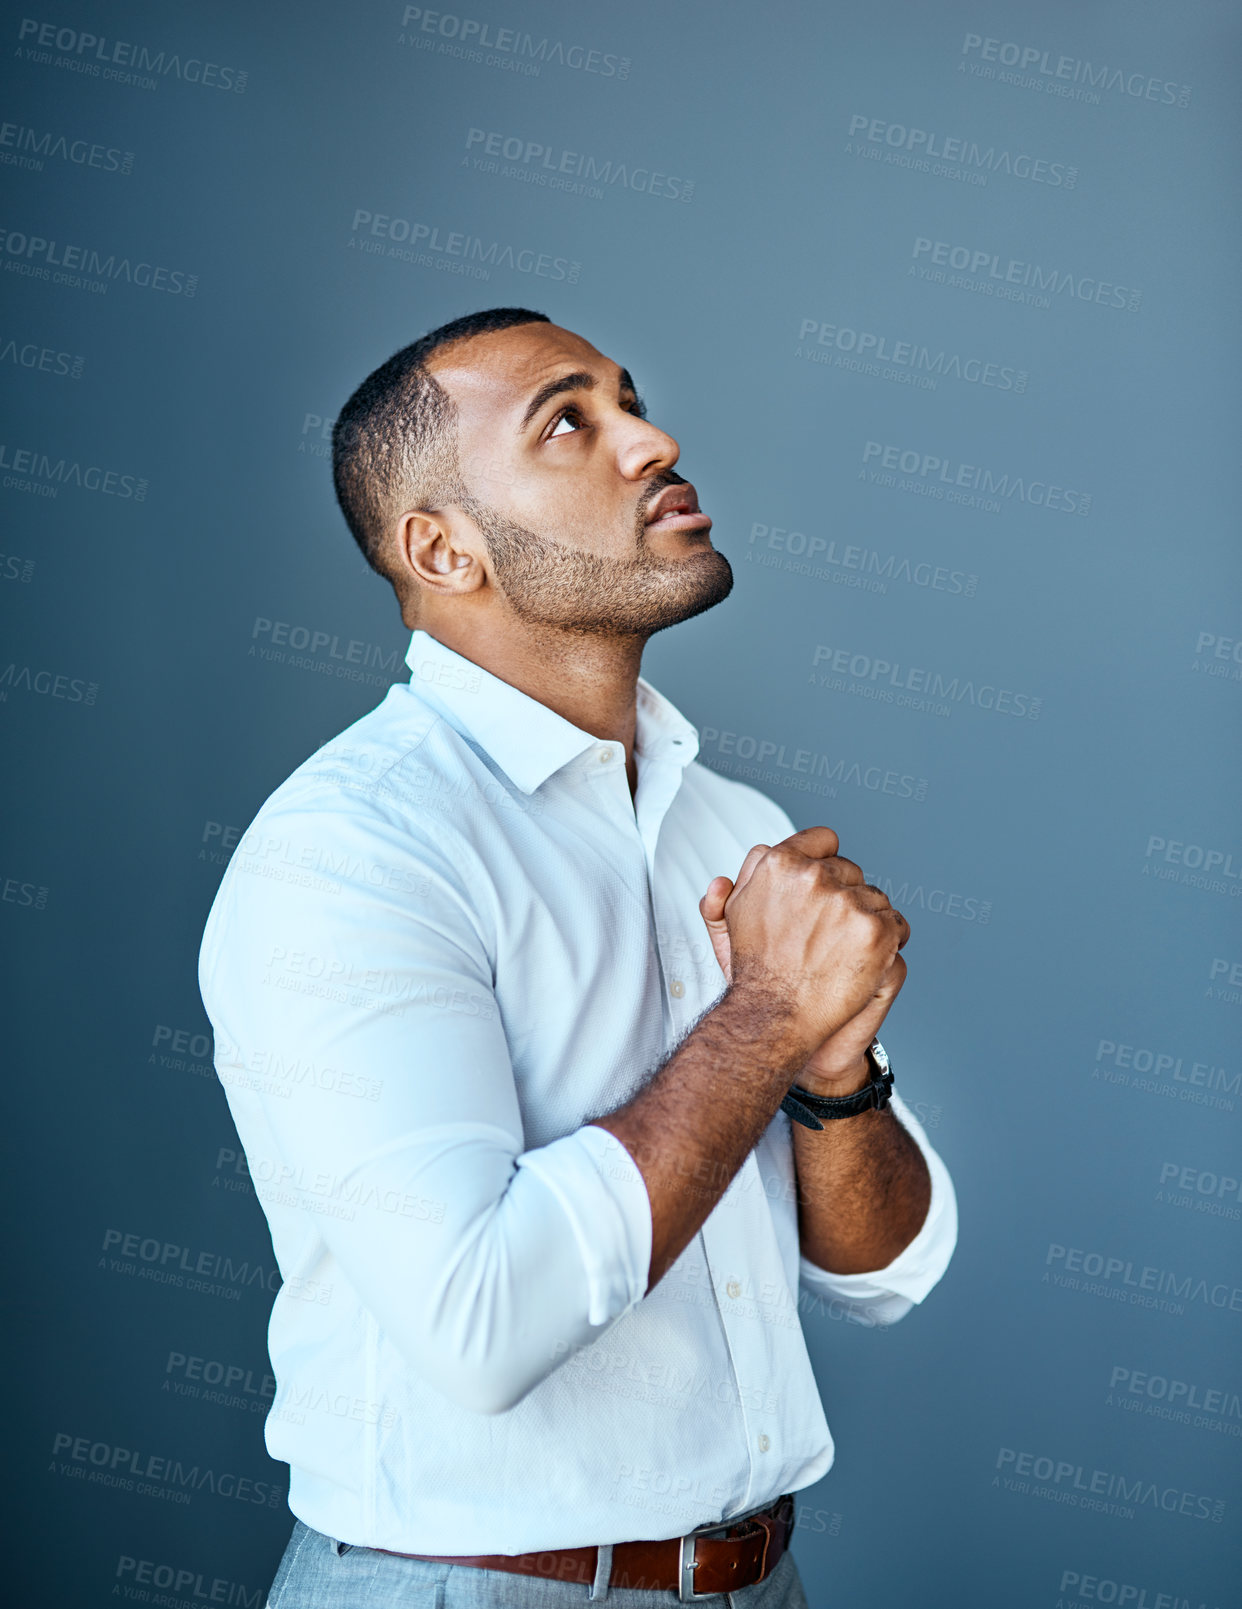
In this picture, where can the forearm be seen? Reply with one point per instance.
(863, 1187)
(693, 1125)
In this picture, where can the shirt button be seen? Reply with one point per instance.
(677, 988)
(604, 756)
(764, 1443)
(733, 1289)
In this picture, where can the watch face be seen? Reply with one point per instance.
(880, 1055)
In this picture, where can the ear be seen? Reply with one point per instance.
(441, 550)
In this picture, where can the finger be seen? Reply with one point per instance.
(711, 906)
(816, 842)
(753, 857)
(876, 901)
(846, 873)
(888, 988)
(893, 979)
(868, 898)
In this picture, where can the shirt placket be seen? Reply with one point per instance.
(659, 778)
(727, 1234)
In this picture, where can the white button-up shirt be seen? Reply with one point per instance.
(446, 942)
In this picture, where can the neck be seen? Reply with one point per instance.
(589, 679)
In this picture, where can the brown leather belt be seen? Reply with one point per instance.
(711, 1559)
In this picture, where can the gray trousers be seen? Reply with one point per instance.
(317, 1572)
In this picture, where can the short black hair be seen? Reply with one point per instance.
(396, 438)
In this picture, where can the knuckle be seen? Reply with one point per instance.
(867, 925)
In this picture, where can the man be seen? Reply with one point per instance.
(508, 992)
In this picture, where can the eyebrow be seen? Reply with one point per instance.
(578, 380)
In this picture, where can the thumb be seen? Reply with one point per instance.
(711, 909)
(711, 906)
(891, 983)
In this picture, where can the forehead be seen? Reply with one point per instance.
(493, 375)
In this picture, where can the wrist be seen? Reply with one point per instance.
(765, 1017)
(856, 1076)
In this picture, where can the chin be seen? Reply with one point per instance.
(711, 588)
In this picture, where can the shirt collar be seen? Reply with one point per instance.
(527, 740)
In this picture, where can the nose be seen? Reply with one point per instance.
(645, 450)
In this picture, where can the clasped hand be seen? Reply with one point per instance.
(801, 913)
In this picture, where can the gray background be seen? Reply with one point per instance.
(1066, 875)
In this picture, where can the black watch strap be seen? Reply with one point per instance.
(807, 1109)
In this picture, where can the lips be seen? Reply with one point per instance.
(674, 501)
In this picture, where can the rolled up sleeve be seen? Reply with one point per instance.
(484, 1262)
(887, 1294)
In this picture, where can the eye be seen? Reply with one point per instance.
(569, 414)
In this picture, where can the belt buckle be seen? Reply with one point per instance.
(686, 1568)
(686, 1550)
(686, 1565)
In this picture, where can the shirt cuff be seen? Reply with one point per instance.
(601, 1191)
(887, 1294)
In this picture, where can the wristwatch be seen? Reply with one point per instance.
(807, 1109)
